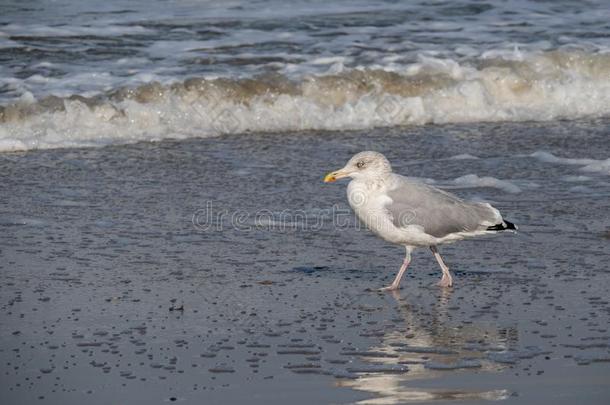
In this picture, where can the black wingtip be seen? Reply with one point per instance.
(506, 226)
(510, 226)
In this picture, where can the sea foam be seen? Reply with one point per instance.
(587, 165)
(538, 86)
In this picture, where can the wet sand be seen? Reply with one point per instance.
(119, 286)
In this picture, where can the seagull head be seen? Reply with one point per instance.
(362, 166)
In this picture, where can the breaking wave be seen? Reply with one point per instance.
(513, 87)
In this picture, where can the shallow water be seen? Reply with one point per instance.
(223, 270)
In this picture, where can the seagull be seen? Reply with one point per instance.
(406, 212)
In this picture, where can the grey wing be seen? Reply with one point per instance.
(439, 213)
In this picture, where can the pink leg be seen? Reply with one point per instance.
(403, 268)
(446, 280)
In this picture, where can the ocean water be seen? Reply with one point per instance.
(166, 237)
(82, 73)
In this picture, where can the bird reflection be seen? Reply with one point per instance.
(431, 345)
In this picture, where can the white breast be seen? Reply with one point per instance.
(368, 201)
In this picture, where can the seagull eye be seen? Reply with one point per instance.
(360, 165)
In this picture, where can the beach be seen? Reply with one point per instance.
(279, 301)
(166, 235)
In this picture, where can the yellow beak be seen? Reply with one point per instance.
(334, 176)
